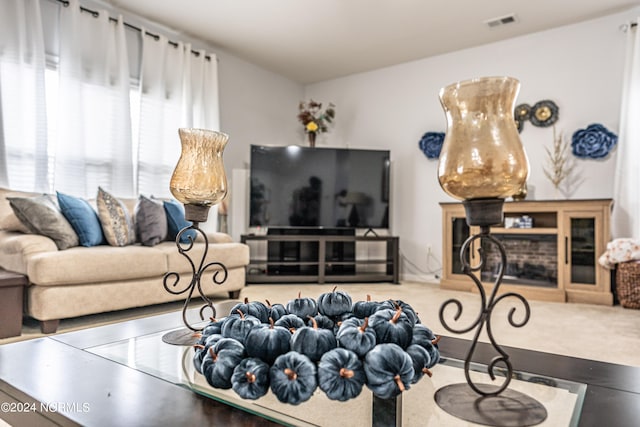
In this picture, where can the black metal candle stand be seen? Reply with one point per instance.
(186, 336)
(487, 404)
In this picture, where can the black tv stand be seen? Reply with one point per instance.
(321, 254)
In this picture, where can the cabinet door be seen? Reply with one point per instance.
(583, 242)
(456, 231)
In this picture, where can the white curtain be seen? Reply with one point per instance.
(23, 130)
(626, 211)
(177, 89)
(93, 139)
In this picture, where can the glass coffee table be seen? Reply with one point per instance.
(149, 354)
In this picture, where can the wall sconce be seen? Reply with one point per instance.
(482, 162)
(199, 182)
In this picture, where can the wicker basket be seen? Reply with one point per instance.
(628, 284)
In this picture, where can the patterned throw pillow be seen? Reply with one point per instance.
(116, 221)
(41, 216)
(83, 218)
(150, 221)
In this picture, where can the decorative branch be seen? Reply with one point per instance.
(560, 166)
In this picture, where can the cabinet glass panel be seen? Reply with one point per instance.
(458, 237)
(583, 254)
(532, 259)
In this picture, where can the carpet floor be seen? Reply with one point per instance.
(603, 333)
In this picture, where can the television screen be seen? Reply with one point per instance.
(297, 186)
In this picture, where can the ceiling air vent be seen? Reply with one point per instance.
(503, 20)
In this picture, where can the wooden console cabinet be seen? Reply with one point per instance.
(554, 260)
(320, 258)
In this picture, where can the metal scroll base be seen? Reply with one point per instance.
(487, 404)
(186, 336)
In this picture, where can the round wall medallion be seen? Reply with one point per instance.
(544, 113)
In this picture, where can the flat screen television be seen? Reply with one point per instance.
(297, 186)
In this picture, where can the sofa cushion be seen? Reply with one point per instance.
(41, 215)
(176, 221)
(96, 264)
(116, 221)
(83, 218)
(16, 248)
(150, 221)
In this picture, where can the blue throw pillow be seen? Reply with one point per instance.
(176, 221)
(83, 218)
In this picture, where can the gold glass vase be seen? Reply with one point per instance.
(482, 156)
(199, 178)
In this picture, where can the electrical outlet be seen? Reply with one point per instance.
(428, 249)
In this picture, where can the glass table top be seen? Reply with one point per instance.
(149, 354)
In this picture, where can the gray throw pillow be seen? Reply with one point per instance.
(150, 221)
(41, 215)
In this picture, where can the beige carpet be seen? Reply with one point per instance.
(609, 334)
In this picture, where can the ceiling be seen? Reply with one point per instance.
(310, 41)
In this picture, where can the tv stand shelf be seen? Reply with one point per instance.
(321, 258)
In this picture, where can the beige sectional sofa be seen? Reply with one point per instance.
(87, 280)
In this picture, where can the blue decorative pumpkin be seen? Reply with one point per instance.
(392, 326)
(434, 353)
(276, 311)
(362, 309)
(268, 342)
(341, 374)
(334, 303)
(250, 379)
(389, 370)
(220, 361)
(356, 335)
(423, 335)
(312, 341)
(302, 307)
(213, 327)
(238, 326)
(421, 361)
(202, 347)
(293, 378)
(291, 322)
(406, 308)
(322, 321)
(254, 308)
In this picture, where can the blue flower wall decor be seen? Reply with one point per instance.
(594, 142)
(431, 144)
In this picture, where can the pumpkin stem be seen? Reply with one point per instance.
(292, 330)
(334, 288)
(251, 377)
(200, 346)
(197, 335)
(368, 298)
(396, 316)
(299, 294)
(246, 300)
(291, 374)
(240, 313)
(271, 322)
(427, 371)
(364, 325)
(399, 382)
(437, 340)
(268, 303)
(346, 373)
(313, 322)
(214, 356)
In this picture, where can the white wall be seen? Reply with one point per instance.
(579, 67)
